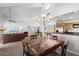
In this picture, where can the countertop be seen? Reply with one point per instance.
(69, 33)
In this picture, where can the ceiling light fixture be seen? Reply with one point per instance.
(10, 16)
(45, 14)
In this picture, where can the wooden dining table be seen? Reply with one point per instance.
(42, 47)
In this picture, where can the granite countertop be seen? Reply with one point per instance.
(69, 33)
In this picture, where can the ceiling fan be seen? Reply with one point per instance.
(11, 20)
(10, 16)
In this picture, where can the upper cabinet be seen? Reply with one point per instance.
(71, 17)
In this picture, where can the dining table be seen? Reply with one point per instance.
(43, 46)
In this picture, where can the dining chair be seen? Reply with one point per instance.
(53, 37)
(63, 51)
(33, 36)
(26, 50)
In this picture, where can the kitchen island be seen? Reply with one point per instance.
(73, 42)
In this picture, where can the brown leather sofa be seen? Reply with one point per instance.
(7, 38)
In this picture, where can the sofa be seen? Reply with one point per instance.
(8, 38)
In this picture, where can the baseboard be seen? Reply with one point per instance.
(75, 53)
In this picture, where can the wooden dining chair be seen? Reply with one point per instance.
(53, 37)
(63, 51)
(26, 50)
(33, 36)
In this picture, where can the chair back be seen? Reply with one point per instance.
(54, 37)
(26, 50)
(64, 49)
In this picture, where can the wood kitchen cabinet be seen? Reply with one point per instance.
(67, 26)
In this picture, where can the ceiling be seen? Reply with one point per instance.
(20, 10)
(20, 4)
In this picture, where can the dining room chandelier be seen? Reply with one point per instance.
(45, 15)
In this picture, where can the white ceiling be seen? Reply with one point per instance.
(20, 10)
(20, 4)
(8, 4)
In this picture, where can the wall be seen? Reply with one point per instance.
(21, 25)
(1, 26)
(24, 17)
